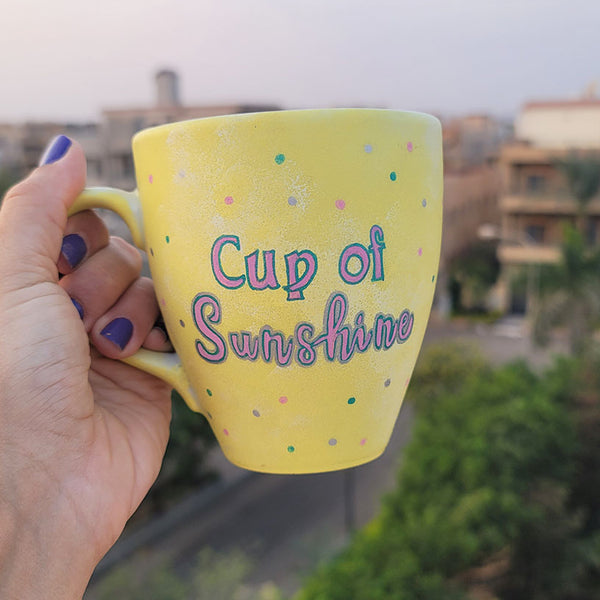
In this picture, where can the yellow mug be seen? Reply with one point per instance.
(294, 256)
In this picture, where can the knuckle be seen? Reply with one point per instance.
(127, 252)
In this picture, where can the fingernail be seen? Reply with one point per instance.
(78, 307)
(118, 331)
(55, 150)
(73, 249)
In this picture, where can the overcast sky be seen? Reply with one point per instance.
(69, 59)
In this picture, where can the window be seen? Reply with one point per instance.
(535, 183)
(534, 234)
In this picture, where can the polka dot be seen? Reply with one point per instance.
(151, 178)
(393, 176)
(280, 158)
(181, 322)
(420, 251)
(292, 201)
(208, 392)
(151, 252)
(423, 203)
(228, 200)
(407, 382)
(209, 415)
(283, 400)
(291, 449)
(182, 174)
(340, 204)
(363, 441)
(332, 442)
(409, 146)
(387, 382)
(163, 302)
(351, 400)
(432, 278)
(368, 148)
(256, 413)
(226, 431)
(167, 239)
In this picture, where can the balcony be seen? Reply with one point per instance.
(552, 201)
(528, 253)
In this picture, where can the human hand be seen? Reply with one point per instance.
(82, 435)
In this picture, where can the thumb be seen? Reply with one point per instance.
(33, 216)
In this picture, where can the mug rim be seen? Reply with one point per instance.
(283, 113)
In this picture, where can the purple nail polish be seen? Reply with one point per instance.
(78, 307)
(55, 150)
(73, 249)
(118, 331)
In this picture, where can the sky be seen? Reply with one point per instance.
(66, 60)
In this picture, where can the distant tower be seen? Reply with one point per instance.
(167, 88)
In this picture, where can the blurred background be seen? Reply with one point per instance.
(490, 487)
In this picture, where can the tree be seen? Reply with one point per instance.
(468, 495)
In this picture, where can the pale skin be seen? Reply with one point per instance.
(82, 435)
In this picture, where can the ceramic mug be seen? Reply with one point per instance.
(294, 256)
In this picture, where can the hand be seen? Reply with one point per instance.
(82, 435)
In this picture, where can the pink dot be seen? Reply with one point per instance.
(420, 251)
(283, 399)
(163, 302)
(151, 178)
(228, 200)
(340, 204)
(226, 431)
(409, 146)
(363, 441)
(407, 382)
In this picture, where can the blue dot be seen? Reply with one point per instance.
(292, 201)
(351, 400)
(393, 176)
(280, 158)
(424, 202)
(368, 148)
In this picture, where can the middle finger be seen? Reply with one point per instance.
(100, 280)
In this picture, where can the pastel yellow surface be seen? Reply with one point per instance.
(313, 181)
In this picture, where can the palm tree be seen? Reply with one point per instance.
(583, 180)
(570, 294)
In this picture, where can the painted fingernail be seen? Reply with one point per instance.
(118, 331)
(78, 307)
(73, 249)
(55, 150)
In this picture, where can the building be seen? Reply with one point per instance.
(119, 125)
(536, 203)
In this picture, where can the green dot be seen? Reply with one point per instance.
(280, 158)
(167, 239)
(393, 176)
(291, 449)
(351, 400)
(209, 392)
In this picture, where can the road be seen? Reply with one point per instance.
(286, 524)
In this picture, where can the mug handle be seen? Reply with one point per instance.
(164, 365)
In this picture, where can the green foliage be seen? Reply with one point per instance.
(472, 274)
(489, 470)
(570, 294)
(7, 180)
(215, 576)
(583, 176)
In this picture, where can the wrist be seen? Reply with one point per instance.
(35, 561)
